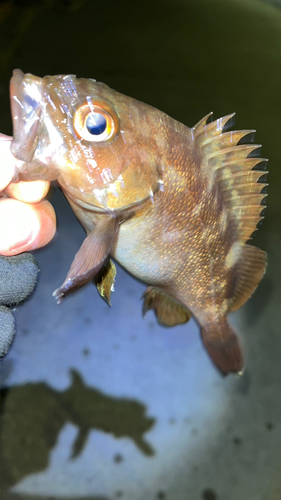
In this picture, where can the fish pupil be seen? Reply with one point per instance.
(96, 123)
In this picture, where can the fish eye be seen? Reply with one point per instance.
(95, 123)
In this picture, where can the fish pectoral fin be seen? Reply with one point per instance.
(90, 257)
(223, 347)
(168, 311)
(247, 274)
(105, 280)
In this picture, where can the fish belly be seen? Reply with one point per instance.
(169, 251)
(138, 250)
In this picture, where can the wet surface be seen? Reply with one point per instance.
(143, 414)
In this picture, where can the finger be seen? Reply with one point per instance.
(29, 192)
(25, 227)
(7, 161)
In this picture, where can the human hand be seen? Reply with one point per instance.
(26, 221)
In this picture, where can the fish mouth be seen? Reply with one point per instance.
(26, 114)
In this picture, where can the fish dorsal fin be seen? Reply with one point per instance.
(247, 273)
(200, 126)
(236, 169)
(205, 133)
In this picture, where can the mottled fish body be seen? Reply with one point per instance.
(175, 206)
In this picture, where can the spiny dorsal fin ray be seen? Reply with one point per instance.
(226, 169)
(247, 274)
(235, 153)
(241, 179)
(226, 140)
(245, 200)
(236, 184)
(243, 191)
(247, 210)
(236, 169)
(214, 129)
(201, 124)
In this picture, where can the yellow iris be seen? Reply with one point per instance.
(95, 122)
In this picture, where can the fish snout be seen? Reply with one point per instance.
(25, 96)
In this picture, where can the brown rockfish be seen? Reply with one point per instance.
(175, 206)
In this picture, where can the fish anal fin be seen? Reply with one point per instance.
(168, 311)
(90, 257)
(105, 280)
(223, 346)
(247, 274)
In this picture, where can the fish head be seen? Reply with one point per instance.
(104, 148)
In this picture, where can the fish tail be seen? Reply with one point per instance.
(223, 346)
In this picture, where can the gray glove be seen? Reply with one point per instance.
(18, 278)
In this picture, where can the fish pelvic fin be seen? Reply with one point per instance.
(223, 347)
(236, 168)
(168, 311)
(90, 256)
(105, 280)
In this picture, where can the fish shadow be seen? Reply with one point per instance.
(32, 416)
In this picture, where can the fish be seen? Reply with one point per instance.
(175, 206)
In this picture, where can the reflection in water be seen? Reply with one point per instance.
(38, 413)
